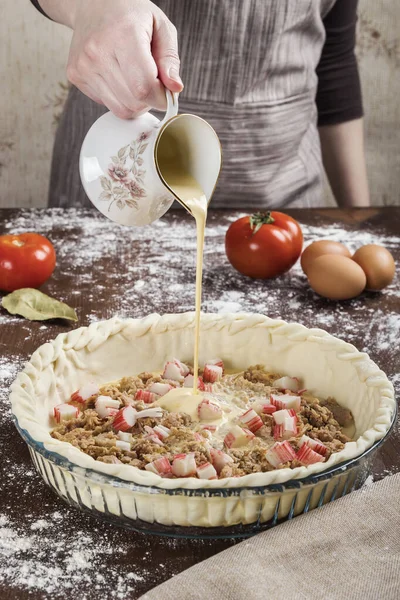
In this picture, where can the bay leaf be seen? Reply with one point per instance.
(37, 306)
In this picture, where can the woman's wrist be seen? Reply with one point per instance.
(61, 11)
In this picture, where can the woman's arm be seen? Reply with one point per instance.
(123, 52)
(340, 108)
(343, 156)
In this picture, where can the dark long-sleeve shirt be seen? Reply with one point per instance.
(339, 90)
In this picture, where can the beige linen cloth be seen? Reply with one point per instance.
(347, 550)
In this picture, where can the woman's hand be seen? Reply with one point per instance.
(123, 53)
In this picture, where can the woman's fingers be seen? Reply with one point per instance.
(111, 100)
(165, 53)
(87, 90)
(140, 76)
(117, 82)
(93, 85)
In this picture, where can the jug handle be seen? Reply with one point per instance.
(172, 107)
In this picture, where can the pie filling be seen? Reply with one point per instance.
(237, 424)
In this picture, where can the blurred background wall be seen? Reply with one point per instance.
(33, 88)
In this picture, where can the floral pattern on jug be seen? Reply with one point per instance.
(123, 186)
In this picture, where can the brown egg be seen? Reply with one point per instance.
(336, 277)
(378, 265)
(318, 249)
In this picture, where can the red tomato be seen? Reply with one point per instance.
(264, 245)
(26, 260)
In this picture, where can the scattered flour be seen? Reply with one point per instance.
(156, 270)
(9, 367)
(396, 382)
(46, 556)
(66, 553)
(369, 481)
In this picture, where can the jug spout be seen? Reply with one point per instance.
(188, 152)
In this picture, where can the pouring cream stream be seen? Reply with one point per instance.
(190, 193)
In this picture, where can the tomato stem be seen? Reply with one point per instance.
(259, 219)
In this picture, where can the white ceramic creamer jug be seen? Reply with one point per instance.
(121, 162)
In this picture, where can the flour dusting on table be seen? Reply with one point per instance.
(47, 556)
(158, 268)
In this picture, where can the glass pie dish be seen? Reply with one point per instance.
(187, 507)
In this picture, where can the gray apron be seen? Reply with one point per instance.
(249, 69)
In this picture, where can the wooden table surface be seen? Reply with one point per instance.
(49, 550)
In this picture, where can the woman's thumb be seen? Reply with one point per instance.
(165, 54)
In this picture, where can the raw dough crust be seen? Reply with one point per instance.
(109, 350)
